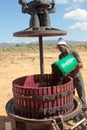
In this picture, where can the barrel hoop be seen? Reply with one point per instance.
(44, 98)
(44, 111)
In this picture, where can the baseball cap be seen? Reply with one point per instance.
(61, 42)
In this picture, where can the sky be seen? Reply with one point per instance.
(70, 16)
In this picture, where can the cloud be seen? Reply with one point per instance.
(25, 40)
(61, 1)
(13, 40)
(0, 41)
(78, 1)
(71, 4)
(78, 14)
(68, 1)
(80, 25)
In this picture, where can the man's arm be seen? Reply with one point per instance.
(80, 65)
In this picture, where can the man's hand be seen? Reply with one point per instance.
(80, 65)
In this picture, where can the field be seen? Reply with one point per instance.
(20, 61)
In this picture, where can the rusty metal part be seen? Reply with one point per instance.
(39, 24)
(35, 123)
(79, 123)
(76, 110)
(43, 98)
(39, 32)
(10, 111)
(34, 4)
(31, 99)
(41, 59)
(57, 126)
(72, 125)
(39, 11)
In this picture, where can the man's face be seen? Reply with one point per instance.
(61, 48)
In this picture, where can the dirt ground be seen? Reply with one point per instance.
(15, 65)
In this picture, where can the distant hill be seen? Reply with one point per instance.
(55, 42)
(10, 44)
(44, 42)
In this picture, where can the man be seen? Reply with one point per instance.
(75, 74)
